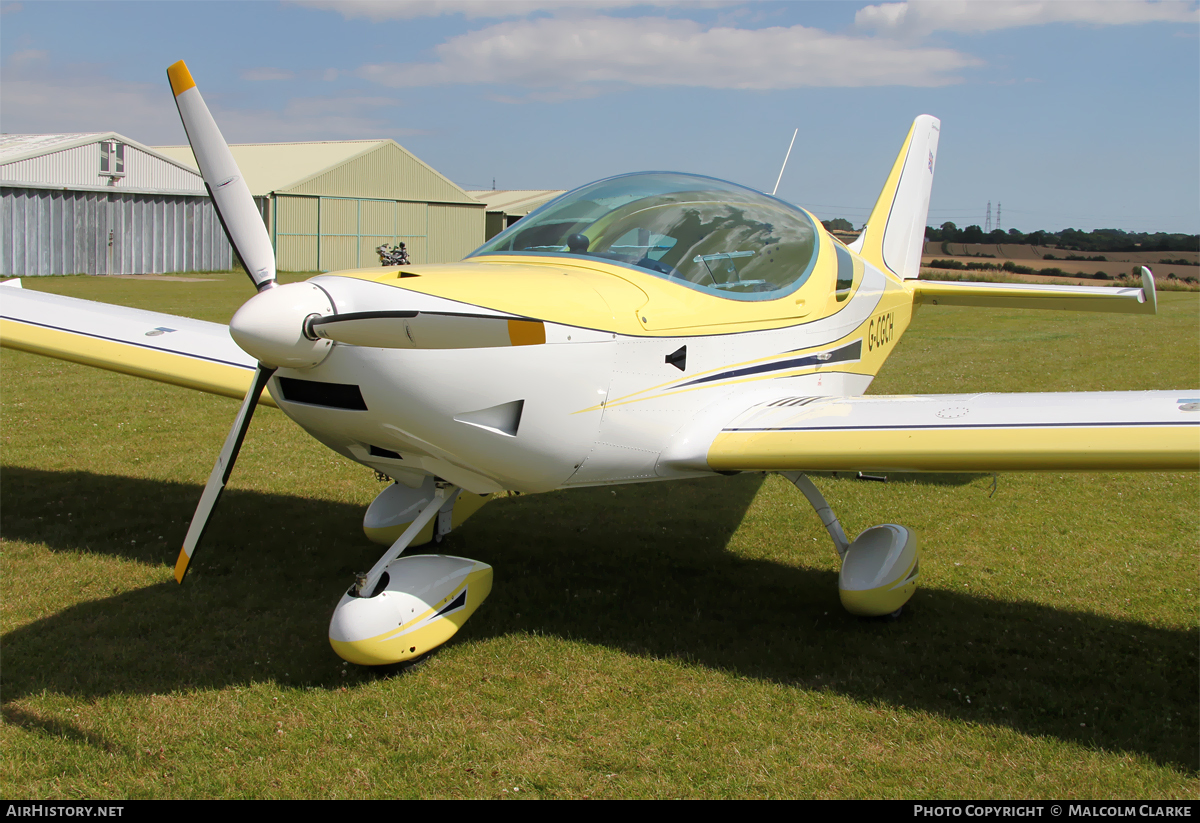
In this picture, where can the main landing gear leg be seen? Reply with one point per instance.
(818, 502)
(406, 606)
(879, 568)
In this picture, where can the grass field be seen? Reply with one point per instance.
(667, 640)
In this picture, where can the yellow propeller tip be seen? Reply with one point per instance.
(181, 565)
(181, 78)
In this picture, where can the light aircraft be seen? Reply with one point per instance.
(645, 327)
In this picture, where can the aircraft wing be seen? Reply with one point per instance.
(177, 350)
(1157, 430)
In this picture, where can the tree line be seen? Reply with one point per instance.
(1072, 239)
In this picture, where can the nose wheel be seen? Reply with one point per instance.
(406, 606)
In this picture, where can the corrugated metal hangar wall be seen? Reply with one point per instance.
(102, 204)
(336, 218)
(82, 232)
(328, 205)
(326, 233)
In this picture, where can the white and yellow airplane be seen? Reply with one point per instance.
(645, 327)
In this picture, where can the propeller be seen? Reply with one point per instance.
(295, 325)
(248, 236)
(230, 195)
(221, 471)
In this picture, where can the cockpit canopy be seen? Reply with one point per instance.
(701, 232)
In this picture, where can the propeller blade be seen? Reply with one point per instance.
(425, 330)
(230, 195)
(221, 471)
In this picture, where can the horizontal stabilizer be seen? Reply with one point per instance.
(1040, 296)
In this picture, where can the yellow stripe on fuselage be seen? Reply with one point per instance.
(894, 308)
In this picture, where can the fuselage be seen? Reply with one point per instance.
(635, 374)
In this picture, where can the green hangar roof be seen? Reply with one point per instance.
(352, 168)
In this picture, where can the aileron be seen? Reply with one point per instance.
(985, 432)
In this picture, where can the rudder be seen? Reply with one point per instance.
(895, 234)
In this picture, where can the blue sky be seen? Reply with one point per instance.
(1068, 113)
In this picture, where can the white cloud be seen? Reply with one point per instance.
(920, 17)
(558, 95)
(560, 53)
(267, 73)
(272, 73)
(18, 59)
(379, 10)
(40, 97)
(312, 118)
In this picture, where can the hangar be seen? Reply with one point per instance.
(507, 207)
(100, 203)
(329, 204)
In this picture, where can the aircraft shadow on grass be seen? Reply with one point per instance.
(591, 566)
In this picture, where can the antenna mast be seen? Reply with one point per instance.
(785, 159)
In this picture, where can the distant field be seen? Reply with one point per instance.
(1017, 252)
(1115, 263)
(666, 640)
(930, 273)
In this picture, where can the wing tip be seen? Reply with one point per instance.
(1149, 294)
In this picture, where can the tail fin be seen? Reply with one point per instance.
(895, 233)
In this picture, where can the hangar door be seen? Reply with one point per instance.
(61, 231)
(319, 233)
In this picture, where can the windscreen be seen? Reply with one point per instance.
(701, 232)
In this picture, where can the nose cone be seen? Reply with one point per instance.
(270, 326)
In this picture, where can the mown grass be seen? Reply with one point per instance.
(675, 639)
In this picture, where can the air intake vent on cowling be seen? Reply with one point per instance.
(333, 395)
(502, 419)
